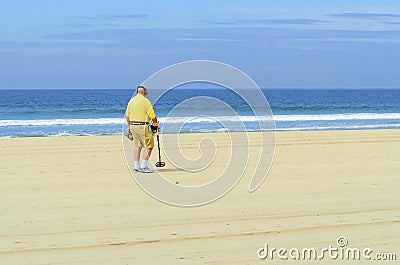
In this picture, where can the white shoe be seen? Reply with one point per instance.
(147, 170)
(139, 169)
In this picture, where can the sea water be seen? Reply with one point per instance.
(65, 112)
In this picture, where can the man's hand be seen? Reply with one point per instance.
(154, 127)
(129, 135)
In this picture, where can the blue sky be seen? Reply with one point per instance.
(280, 44)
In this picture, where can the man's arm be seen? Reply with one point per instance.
(128, 122)
(153, 117)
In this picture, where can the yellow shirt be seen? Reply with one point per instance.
(140, 109)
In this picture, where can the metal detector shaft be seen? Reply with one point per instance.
(159, 163)
(158, 145)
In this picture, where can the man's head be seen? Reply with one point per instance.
(141, 90)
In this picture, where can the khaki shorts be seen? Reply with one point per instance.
(142, 136)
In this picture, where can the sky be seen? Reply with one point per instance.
(279, 44)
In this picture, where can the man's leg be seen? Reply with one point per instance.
(149, 143)
(136, 156)
(146, 156)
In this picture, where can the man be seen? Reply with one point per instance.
(138, 115)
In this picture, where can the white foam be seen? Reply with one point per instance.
(334, 117)
(311, 117)
(64, 122)
(205, 119)
(344, 127)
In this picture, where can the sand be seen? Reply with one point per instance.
(72, 200)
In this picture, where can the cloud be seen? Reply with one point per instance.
(89, 59)
(101, 21)
(288, 21)
(295, 21)
(114, 17)
(251, 35)
(130, 16)
(372, 16)
(87, 25)
(207, 39)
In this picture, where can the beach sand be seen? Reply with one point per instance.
(72, 200)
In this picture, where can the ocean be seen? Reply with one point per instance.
(69, 112)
